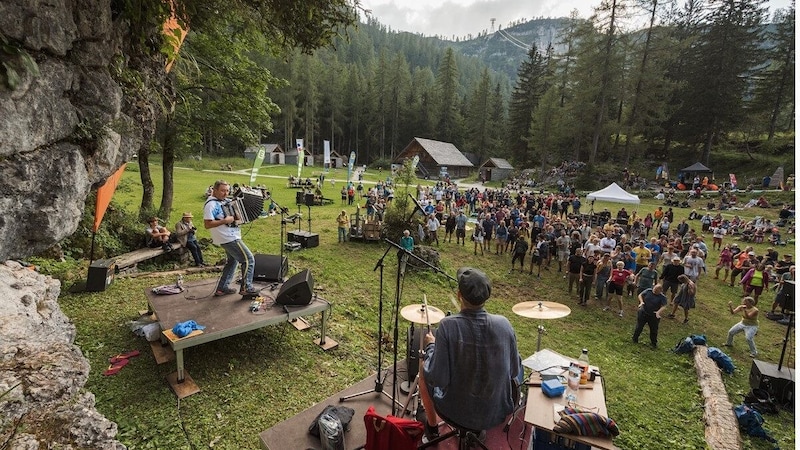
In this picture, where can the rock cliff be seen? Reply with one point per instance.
(63, 129)
(65, 126)
(42, 371)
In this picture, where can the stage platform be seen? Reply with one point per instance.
(292, 434)
(223, 317)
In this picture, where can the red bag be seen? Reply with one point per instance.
(390, 432)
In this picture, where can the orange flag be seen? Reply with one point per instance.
(104, 194)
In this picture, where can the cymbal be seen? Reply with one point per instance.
(541, 310)
(416, 314)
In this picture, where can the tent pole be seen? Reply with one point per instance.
(91, 252)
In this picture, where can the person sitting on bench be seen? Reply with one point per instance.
(157, 236)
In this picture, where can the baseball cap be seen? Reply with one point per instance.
(474, 285)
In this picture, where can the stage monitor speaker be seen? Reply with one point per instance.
(297, 290)
(779, 383)
(101, 274)
(270, 267)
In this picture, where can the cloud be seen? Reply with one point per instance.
(447, 18)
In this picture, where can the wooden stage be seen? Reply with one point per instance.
(292, 433)
(223, 317)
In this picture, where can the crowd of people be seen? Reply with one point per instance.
(657, 259)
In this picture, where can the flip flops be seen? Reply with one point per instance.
(119, 361)
(123, 356)
(115, 367)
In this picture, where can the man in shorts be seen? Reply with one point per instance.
(562, 249)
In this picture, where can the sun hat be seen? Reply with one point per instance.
(187, 215)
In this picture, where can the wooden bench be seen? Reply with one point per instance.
(142, 254)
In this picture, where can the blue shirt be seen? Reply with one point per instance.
(470, 369)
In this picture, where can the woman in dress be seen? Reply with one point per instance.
(725, 262)
(685, 298)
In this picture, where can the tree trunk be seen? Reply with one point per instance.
(168, 149)
(146, 207)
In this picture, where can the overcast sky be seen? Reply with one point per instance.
(462, 17)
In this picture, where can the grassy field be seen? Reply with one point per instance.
(253, 381)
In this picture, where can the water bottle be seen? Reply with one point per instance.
(573, 382)
(583, 360)
(179, 281)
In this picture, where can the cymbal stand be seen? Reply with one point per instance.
(540, 329)
(378, 380)
(284, 221)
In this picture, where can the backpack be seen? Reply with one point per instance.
(750, 422)
(723, 361)
(685, 345)
(698, 339)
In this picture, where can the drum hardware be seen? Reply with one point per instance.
(541, 310)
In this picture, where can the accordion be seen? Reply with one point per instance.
(246, 206)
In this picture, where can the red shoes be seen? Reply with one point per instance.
(119, 361)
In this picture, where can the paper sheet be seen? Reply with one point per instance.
(545, 359)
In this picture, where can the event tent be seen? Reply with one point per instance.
(613, 193)
(697, 168)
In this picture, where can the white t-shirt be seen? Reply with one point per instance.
(222, 234)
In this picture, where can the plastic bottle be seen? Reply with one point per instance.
(179, 281)
(573, 382)
(583, 360)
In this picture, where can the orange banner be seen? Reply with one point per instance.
(104, 194)
(174, 34)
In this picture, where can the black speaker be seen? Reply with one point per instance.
(779, 383)
(300, 198)
(306, 239)
(101, 274)
(297, 290)
(270, 267)
(309, 199)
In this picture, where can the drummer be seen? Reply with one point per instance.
(470, 362)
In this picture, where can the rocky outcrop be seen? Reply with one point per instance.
(42, 372)
(62, 131)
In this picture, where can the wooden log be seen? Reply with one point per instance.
(722, 428)
(139, 255)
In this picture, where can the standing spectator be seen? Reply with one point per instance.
(344, 194)
(407, 242)
(433, 228)
(651, 304)
(488, 230)
(574, 264)
(642, 256)
(477, 237)
(783, 290)
(748, 324)
(539, 255)
(601, 280)
(461, 227)
(646, 277)
(685, 299)
(669, 276)
(725, 262)
(658, 214)
(619, 277)
(693, 265)
(755, 281)
(342, 221)
(185, 233)
(648, 224)
(705, 222)
(519, 252)
(742, 262)
(562, 249)
(719, 233)
(449, 227)
(587, 279)
(351, 193)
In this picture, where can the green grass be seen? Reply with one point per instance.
(253, 381)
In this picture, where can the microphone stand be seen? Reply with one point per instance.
(402, 256)
(378, 381)
(283, 211)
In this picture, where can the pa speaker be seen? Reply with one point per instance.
(297, 290)
(270, 267)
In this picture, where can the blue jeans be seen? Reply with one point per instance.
(194, 248)
(342, 234)
(238, 253)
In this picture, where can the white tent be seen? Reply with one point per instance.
(613, 193)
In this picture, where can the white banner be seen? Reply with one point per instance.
(326, 158)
